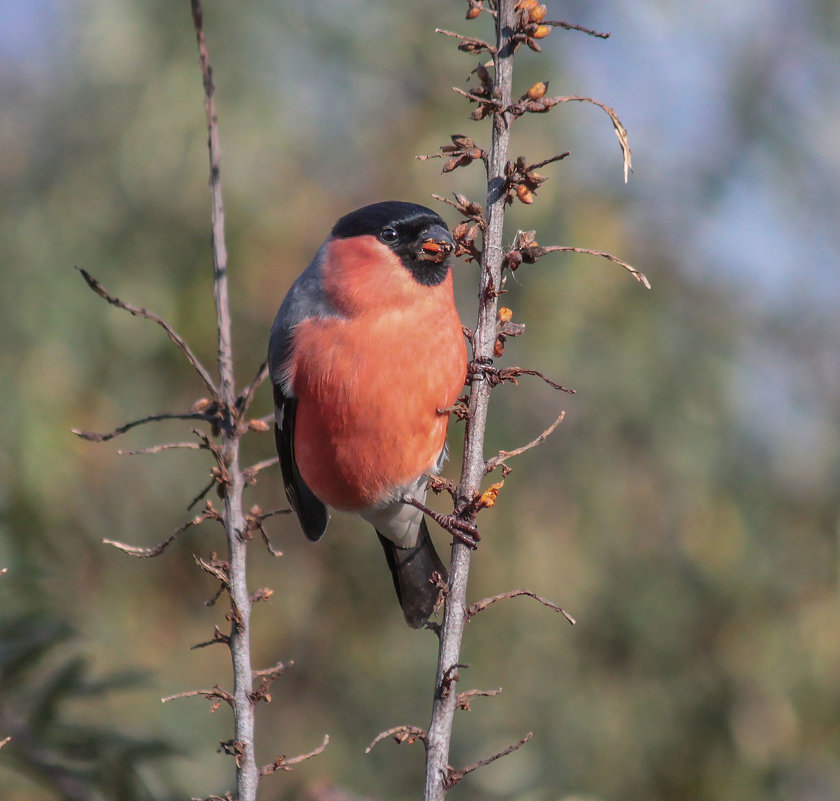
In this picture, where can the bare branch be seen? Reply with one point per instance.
(147, 315)
(216, 694)
(618, 127)
(283, 763)
(166, 446)
(5, 741)
(92, 436)
(570, 26)
(219, 638)
(639, 276)
(157, 550)
(480, 606)
(454, 776)
(465, 698)
(512, 373)
(468, 43)
(273, 512)
(503, 456)
(276, 552)
(274, 671)
(201, 494)
(217, 568)
(244, 400)
(251, 472)
(544, 162)
(401, 734)
(267, 676)
(232, 484)
(484, 340)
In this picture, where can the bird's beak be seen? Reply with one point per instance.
(436, 244)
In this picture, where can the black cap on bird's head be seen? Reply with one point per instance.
(417, 235)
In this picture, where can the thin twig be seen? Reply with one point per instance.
(476, 98)
(265, 515)
(216, 693)
(166, 446)
(276, 552)
(503, 456)
(455, 776)
(247, 395)
(618, 127)
(639, 276)
(480, 606)
(544, 162)
(275, 670)
(570, 26)
(219, 638)
(201, 494)
(93, 436)
(138, 312)
(476, 45)
(465, 698)
(284, 763)
(401, 734)
(157, 550)
(252, 471)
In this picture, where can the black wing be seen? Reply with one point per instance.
(305, 299)
(313, 515)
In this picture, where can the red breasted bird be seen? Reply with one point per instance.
(366, 352)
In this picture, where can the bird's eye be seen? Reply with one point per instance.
(389, 235)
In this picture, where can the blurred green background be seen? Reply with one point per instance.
(686, 511)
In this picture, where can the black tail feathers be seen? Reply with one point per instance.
(412, 569)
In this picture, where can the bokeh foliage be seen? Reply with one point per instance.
(686, 512)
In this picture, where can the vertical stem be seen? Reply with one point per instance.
(247, 775)
(472, 469)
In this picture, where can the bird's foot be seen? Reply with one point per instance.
(461, 529)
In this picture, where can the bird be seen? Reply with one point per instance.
(366, 357)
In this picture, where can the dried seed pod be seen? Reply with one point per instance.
(489, 496)
(513, 260)
(473, 12)
(524, 194)
(541, 32)
(505, 314)
(526, 239)
(537, 13)
(538, 90)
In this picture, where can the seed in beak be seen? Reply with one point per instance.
(436, 248)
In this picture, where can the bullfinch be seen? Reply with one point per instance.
(365, 355)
